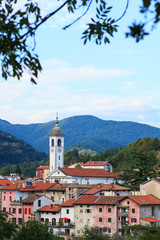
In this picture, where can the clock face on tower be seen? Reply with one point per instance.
(59, 149)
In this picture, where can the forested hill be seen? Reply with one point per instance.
(14, 151)
(83, 132)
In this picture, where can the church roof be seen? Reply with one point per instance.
(86, 172)
(56, 131)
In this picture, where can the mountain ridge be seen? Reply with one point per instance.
(98, 134)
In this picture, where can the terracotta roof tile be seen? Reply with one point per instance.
(104, 187)
(23, 187)
(31, 198)
(95, 163)
(5, 182)
(42, 167)
(145, 200)
(88, 200)
(49, 208)
(109, 200)
(86, 172)
(150, 219)
(68, 203)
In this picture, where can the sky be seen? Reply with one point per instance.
(119, 81)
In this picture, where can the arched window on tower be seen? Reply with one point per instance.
(59, 142)
(52, 142)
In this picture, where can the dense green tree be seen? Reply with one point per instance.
(18, 27)
(7, 229)
(5, 171)
(18, 169)
(141, 170)
(34, 230)
(93, 233)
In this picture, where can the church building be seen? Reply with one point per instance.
(57, 172)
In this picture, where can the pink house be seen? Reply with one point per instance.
(111, 213)
(134, 209)
(106, 214)
(13, 196)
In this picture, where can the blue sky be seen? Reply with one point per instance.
(119, 81)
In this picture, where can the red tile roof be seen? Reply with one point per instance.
(68, 203)
(150, 219)
(23, 187)
(145, 200)
(109, 200)
(49, 208)
(5, 182)
(88, 200)
(30, 199)
(42, 167)
(105, 187)
(95, 163)
(85, 172)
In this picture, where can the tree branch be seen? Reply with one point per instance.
(79, 17)
(123, 12)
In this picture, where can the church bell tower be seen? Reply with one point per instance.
(56, 148)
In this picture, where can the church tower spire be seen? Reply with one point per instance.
(56, 147)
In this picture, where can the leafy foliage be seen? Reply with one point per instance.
(14, 151)
(7, 229)
(18, 28)
(34, 230)
(17, 32)
(93, 233)
(140, 232)
(141, 170)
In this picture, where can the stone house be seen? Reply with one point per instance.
(151, 187)
(108, 190)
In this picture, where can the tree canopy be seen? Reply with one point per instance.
(18, 26)
(141, 170)
(7, 229)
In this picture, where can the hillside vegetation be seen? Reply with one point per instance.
(123, 157)
(82, 132)
(15, 151)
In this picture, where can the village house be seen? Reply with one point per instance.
(84, 210)
(60, 218)
(137, 209)
(3, 183)
(98, 165)
(13, 195)
(111, 213)
(40, 172)
(151, 187)
(108, 190)
(62, 192)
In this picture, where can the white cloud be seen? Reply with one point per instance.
(62, 88)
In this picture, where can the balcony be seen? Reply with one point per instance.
(16, 203)
(61, 225)
(124, 214)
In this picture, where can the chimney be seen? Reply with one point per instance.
(60, 185)
(99, 185)
(112, 185)
(51, 205)
(24, 185)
